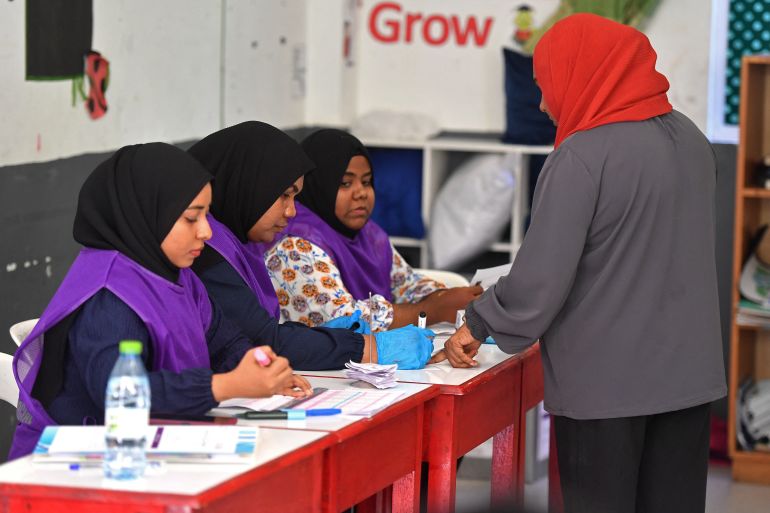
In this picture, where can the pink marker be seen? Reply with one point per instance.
(261, 357)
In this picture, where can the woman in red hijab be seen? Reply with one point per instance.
(616, 277)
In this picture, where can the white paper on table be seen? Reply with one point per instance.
(372, 368)
(207, 442)
(352, 401)
(489, 276)
(381, 376)
(275, 402)
(443, 328)
(69, 440)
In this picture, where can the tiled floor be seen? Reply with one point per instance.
(723, 495)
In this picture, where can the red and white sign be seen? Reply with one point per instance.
(391, 23)
(441, 58)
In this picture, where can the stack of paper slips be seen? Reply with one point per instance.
(381, 376)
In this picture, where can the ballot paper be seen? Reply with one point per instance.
(489, 276)
(351, 401)
(381, 376)
(275, 402)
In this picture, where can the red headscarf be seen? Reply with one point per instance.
(594, 71)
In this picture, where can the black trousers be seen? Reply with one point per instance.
(648, 464)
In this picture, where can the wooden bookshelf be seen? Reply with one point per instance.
(753, 192)
(749, 346)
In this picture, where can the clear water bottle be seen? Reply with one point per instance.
(126, 414)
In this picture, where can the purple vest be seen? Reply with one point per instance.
(177, 316)
(364, 262)
(249, 260)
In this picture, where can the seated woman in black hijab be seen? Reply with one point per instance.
(345, 254)
(258, 170)
(141, 216)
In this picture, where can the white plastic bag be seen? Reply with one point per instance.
(471, 210)
(394, 126)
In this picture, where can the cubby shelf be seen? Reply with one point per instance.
(754, 192)
(438, 155)
(749, 345)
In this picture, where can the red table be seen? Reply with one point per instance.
(463, 417)
(339, 468)
(371, 455)
(473, 406)
(266, 486)
(374, 454)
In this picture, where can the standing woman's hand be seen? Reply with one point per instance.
(460, 349)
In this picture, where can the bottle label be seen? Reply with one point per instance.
(127, 423)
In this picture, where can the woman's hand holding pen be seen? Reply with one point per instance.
(254, 379)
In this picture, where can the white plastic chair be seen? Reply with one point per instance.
(20, 330)
(448, 278)
(9, 391)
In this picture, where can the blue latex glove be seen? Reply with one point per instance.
(352, 322)
(410, 347)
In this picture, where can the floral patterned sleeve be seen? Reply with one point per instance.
(309, 289)
(407, 285)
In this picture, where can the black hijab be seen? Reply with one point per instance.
(331, 150)
(131, 201)
(253, 163)
(128, 203)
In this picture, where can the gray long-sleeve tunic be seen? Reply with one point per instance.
(616, 275)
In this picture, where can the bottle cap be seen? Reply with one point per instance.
(130, 347)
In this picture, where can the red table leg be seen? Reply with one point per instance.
(508, 458)
(406, 494)
(377, 503)
(442, 467)
(505, 451)
(402, 497)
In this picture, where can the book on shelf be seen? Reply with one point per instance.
(752, 314)
(170, 443)
(753, 415)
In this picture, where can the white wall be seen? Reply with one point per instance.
(171, 78)
(265, 62)
(181, 69)
(329, 100)
(462, 86)
(164, 81)
(680, 32)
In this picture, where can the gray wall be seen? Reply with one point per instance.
(38, 206)
(39, 203)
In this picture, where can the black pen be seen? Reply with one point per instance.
(268, 415)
